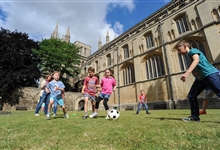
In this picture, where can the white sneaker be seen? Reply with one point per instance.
(93, 115)
(37, 115)
(48, 116)
(66, 116)
(54, 115)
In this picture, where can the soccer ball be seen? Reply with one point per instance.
(113, 114)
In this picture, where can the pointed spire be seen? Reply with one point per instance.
(55, 32)
(67, 36)
(99, 43)
(107, 37)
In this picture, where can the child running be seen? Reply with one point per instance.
(56, 88)
(107, 84)
(206, 75)
(208, 93)
(89, 91)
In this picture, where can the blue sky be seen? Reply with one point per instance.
(89, 20)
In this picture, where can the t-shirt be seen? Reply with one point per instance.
(204, 68)
(90, 83)
(142, 98)
(43, 83)
(52, 87)
(107, 84)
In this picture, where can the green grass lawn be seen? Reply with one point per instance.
(162, 129)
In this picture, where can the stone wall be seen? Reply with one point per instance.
(29, 97)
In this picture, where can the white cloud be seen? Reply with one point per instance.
(85, 18)
(129, 4)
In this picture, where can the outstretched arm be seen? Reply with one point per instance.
(83, 89)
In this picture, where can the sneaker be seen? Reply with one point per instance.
(37, 115)
(66, 116)
(148, 113)
(94, 115)
(201, 112)
(54, 115)
(190, 119)
(85, 117)
(107, 117)
(48, 116)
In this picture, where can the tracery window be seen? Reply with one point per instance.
(154, 66)
(128, 74)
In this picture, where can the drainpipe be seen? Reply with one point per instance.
(168, 68)
(118, 82)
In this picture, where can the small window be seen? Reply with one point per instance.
(85, 52)
(149, 40)
(108, 59)
(126, 52)
(96, 66)
(182, 25)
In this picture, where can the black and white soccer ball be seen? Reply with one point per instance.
(113, 114)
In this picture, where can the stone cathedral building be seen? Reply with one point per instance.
(144, 57)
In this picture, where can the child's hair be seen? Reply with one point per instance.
(48, 75)
(111, 74)
(182, 42)
(56, 72)
(91, 69)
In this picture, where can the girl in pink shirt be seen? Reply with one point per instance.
(107, 84)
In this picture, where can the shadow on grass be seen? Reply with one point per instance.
(180, 119)
(162, 118)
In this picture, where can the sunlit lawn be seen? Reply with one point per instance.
(162, 129)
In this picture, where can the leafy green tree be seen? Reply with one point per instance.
(60, 56)
(18, 64)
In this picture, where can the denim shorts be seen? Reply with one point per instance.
(102, 95)
(58, 100)
(91, 98)
(208, 94)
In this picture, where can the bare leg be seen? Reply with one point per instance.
(64, 110)
(204, 104)
(93, 106)
(107, 112)
(49, 106)
(86, 106)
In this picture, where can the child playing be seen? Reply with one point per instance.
(208, 93)
(44, 96)
(205, 75)
(108, 84)
(89, 90)
(56, 88)
(142, 102)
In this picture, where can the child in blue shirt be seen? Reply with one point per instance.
(56, 89)
(205, 75)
